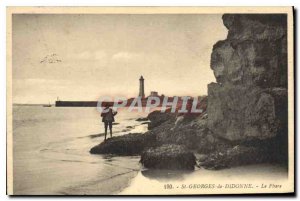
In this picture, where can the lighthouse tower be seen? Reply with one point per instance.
(142, 92)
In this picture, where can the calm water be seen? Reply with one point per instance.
(51, 151)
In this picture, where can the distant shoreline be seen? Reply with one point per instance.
(29, 104)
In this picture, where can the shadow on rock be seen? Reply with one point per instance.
(169, 156)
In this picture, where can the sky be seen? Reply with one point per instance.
(85, 56)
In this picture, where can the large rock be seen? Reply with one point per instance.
(157, 118)
(246, 113)
(249, 100)
(254, 53)
(248, 63)
(269, 27)
(236, 156)
(130, 144)
(193, 134)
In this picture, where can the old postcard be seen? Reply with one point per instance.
(150, 100)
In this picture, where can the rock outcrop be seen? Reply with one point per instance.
(191, 133)
(254, 53)
(249, 101)
(127, 145)
(236, 156)
(242, 113)
(157, 118)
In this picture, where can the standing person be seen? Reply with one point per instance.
(108, 118)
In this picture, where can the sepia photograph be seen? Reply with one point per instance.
(150, 100)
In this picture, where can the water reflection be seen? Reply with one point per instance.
(162, 175)
(108, 157)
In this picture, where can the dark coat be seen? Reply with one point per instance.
(110, 112)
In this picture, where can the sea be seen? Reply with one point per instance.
(51, 157)
(51, 150)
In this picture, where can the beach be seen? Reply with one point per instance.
(201, 181)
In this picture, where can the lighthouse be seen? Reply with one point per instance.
(142, 92)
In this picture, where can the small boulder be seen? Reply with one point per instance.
(169, 156)
(157, 118)
(142, 119)
(236, 156)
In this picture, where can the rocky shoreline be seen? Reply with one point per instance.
(191, 136)
(244, 119)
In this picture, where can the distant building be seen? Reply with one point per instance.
(154, 93)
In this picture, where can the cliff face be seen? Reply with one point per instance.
(249, 100)
(254, 53)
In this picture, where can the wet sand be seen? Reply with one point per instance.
(51, 152)
(201, 181)
(115, 175)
